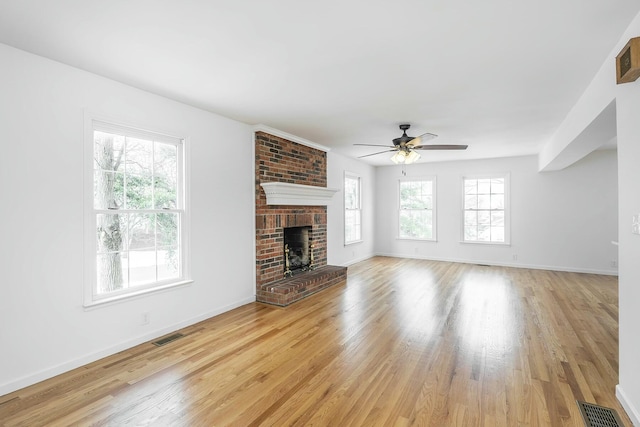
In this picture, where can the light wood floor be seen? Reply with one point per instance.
(402, 342)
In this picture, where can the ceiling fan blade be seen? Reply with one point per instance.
(440, 147)
(373, 154)
(375, 145)
(422, 138)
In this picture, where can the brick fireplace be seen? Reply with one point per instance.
(284, 161)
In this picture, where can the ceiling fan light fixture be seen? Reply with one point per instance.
(399, 157)
(413, 156)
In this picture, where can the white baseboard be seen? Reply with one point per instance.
(633, 414)
(504, 264)
(357, 260)
(51, 372)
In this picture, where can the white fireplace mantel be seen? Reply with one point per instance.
(282, 193)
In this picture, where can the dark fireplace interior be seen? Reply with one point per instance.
(298, 240)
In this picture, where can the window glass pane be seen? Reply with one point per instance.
(167, 229)
(425, 188)
(111, 272)
(471, 218)
(497, 234)
(142, 234)
(470, 186)
(142, 266)
(484, 186)
(484, 217)
(168, 262)
(351, 193)
(484, 233)
(497, 201)
(165, 182)
(412, 196)
(416, 224)
(139, 192)
(484, 201)
(428, 202)
(108, 151)
(357, 227)
(471, 202)
(470, 233)
(111, 233)
(108, 190)
(139, 156)
(497, 218)
(497, 186)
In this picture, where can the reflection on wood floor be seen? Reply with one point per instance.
(402, 342)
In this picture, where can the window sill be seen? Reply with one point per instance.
(485, 243)
(353, 243)
(89, 305)
(417, 239)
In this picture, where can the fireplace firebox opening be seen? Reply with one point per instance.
(298, 252)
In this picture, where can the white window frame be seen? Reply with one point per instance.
(91, 298)
(358, 178)
(507, 210)
(434, 222)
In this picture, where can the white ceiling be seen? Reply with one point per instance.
(498, 75)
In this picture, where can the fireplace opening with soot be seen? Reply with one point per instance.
(298, 253)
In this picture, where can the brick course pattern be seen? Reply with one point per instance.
(280, 160)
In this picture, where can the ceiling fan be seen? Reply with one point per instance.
(405, 146)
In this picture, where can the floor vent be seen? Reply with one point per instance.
(167, 340)
(599, 416)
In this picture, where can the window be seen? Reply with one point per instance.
(417, 209)
(352, 209)
(486, 216)
(136, 236)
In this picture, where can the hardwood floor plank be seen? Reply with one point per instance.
(402, 343)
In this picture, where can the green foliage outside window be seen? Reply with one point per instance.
(416, 209)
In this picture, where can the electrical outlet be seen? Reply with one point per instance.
(515, 257)
(145, 319)
(635, 224)
(614, 263)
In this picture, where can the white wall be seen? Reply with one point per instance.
(561, 220)
(337, 252)
(44, 328)
(628, 119)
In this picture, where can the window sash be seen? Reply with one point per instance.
(485, 214)
(352, 208)
(416, 209)
(158, 261)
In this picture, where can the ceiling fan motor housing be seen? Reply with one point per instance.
(404, 138)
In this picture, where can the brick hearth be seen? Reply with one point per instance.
(286, 291)
(281, 160)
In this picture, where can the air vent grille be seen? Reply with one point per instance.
(599, 416)
(167, 340)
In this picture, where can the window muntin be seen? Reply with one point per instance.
(352, 209)
(137, 211)
(485, 214)
(417, 209)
